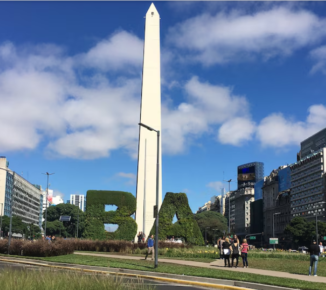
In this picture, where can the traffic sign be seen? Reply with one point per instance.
(273, 241)
(252, 238)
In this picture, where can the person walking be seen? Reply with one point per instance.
(220, 243)
(235, 252)
(322, 249)
(314, 254)
(244, 253)
(227, 251)
(150, 245)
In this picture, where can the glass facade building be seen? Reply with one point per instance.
(249, 174)
(284, 179)
(259, 189)
(313, 143)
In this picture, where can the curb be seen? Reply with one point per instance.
(168, 280)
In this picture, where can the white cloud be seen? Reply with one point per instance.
(43, 100)
(122, 50)
(235, 36)
(319, 56)
(131, 177)
(236, 131)
(46, 99)
(207, 105)
(277, 131)
(216, 185)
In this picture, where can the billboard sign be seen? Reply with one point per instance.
(246, 176)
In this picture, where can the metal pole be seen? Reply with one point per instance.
(273, 229)
(157, 198)
(229, 208)
(46, 202)
(11, 206)
(78, 217)
(1, 220)
(144, 203)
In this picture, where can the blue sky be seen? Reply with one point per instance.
(241, 82)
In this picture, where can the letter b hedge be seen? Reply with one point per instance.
(96, 216)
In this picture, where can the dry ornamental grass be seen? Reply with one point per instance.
(53, 280)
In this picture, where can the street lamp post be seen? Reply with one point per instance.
(78, 217)
(229, 181)
(276, 213)
(46, 200)
(157, 189)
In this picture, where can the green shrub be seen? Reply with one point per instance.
(186, 226)
(96, 216)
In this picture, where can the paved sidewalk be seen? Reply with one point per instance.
(218, 264)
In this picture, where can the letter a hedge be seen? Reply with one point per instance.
(96, 216)
(186, 226)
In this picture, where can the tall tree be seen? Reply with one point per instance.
(69, 228)
(17, 225)
(303, 232)
(213, 223)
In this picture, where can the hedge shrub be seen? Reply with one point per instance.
(39, 248)
(186, 226)
(96, 216)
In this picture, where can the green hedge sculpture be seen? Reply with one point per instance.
(186, 226)
(96, 216)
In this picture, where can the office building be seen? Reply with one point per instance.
(19, 195)
(205, 207)
(307, 186)
(78, 200)
(240, 201)
(259, 189)
(277, 207)
(249, 174)
(313, 144)
(257, 216)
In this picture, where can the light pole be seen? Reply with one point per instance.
(229, 181)
(46, 200)
(317, 223)
(78, 217)
(157, 189)
(276, 213)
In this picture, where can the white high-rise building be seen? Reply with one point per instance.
(150, 115)
(78, 200)
(19, 195)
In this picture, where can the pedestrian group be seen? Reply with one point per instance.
(233, 250)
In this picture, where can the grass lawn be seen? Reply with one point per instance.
(186, 270)
(204, 260)
(290, 266)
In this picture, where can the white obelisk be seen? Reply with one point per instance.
(150, 115)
